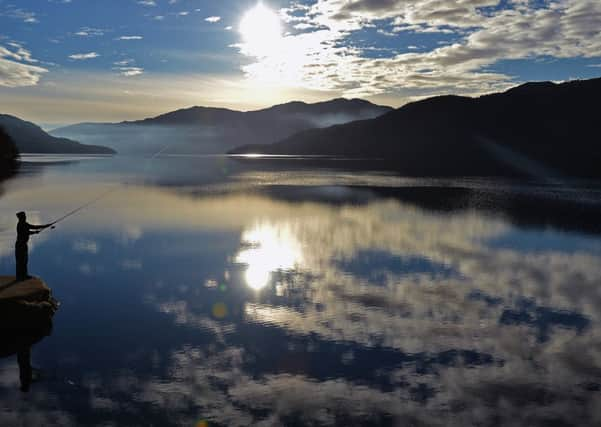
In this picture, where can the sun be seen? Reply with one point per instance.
(260, 28)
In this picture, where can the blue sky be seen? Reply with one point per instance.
(64, 61)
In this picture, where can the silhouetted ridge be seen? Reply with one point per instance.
(541, 129)
(325, 107)
(192, 115)
(30, 138)
(216, 130)
(531, 88)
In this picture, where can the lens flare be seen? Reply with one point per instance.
(220, 311)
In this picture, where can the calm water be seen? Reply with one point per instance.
(208, 290)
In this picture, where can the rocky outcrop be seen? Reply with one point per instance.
(25, 305)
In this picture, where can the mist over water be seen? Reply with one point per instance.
(200, 130)
(239, 292)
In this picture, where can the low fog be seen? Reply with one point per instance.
(201, 130)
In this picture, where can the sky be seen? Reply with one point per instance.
(67, 61)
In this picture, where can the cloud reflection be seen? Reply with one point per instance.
(399, 344)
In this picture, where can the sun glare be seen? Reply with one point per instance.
(260, 28)
(271, 248)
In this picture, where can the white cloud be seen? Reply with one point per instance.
(90, 32)
(21, 54)
(84, 56)
(129, 71)
(20, 14)
(213, 19)
(150, 3)
(123, 62)
(13, 73)
(130, 38)
(323, 59)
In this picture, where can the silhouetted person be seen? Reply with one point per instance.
(24, 230)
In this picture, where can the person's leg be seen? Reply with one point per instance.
(21, 261)
(26, 261)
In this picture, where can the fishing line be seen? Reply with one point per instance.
(82, 207)
(104, 194)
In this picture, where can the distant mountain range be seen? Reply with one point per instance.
(30, 138)
(540, 129)
(203, 130)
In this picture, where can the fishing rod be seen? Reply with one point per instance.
(82, 207)
(101, 196)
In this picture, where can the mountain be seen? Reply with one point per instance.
(30, 138)
(542, 129)
(8, 155)
(8, 150)
(203, 130)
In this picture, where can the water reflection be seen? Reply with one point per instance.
(269, 248)
(19, 343)
(373, 310)
(24, 324)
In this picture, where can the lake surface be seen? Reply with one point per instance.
(212, 291)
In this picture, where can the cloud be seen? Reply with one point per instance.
(150, 3)
(213, 19)
(130, 71)
(130, 38)
(84, 56)
(90, 32)
(123, 62)
(321, 56)
(20, 14)
(21, 54)
(126, 68)
(13, 73)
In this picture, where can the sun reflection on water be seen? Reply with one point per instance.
(269, 248)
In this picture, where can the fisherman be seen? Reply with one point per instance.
(24, 230)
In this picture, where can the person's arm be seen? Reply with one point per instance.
(39, 227)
